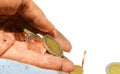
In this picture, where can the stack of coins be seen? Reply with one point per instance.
(38, 44)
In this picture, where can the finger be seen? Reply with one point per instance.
(3, 18)
(34, 15)
(19, 52)
(9, 7)
(61, 64)
(65, 44)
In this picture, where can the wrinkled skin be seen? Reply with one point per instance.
(12, 37)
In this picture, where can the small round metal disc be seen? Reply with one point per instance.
(77, 70)
(32, 36)
(52, 46)
(113, 68)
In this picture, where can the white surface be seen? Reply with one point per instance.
(92, 25)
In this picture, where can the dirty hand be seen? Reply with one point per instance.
(12, 38)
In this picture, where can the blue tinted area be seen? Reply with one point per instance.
(13, 67)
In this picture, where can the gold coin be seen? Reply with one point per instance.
(113, 68)
(77, 70)
(52, 46)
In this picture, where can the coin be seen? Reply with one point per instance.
(77, 70)
(52, 46)
(113, 68)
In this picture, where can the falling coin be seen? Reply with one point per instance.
(77, 70)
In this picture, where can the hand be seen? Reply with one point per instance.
(12, 37)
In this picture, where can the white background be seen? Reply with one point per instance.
(91, 25)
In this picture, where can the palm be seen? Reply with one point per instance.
(12, 37)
